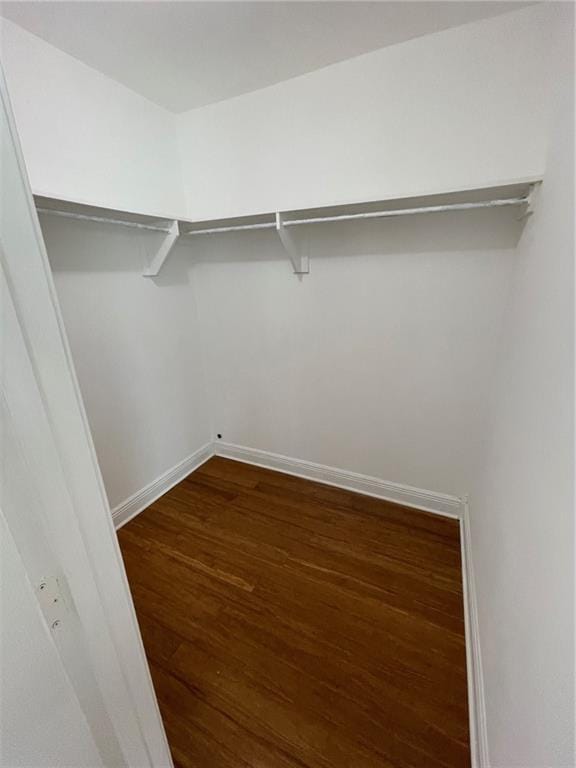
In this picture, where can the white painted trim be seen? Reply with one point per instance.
(100, 589)
(138, 502)
(476, 698)
(428, 501)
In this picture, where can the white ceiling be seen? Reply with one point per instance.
(183, 55)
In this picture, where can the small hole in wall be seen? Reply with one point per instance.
(219, 436)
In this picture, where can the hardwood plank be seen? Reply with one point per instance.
(294, 625)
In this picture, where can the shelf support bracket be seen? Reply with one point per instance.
(528, 207)
(164, 251)
(300, 263)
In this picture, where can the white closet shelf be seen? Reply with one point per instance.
(87, 212)
(514, 195)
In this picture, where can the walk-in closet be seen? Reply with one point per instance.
(288, 387)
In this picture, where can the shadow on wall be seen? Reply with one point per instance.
(109, 248)
(137, 349)
(278, 377)
(94, 247)
(424, 233)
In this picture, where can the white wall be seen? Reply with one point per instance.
(336, 368)
(378, 361)
(522, 501)
(134, 340)
(395, 122)
(457, 109)
(85, 137)
(136, 350)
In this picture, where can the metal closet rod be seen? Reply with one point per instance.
(368, 215)
(299, 222)
(102, 219)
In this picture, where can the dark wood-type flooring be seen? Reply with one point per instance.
(289, 624)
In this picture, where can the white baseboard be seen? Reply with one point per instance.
(143, 498)
(429, 501)
(476, 698)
